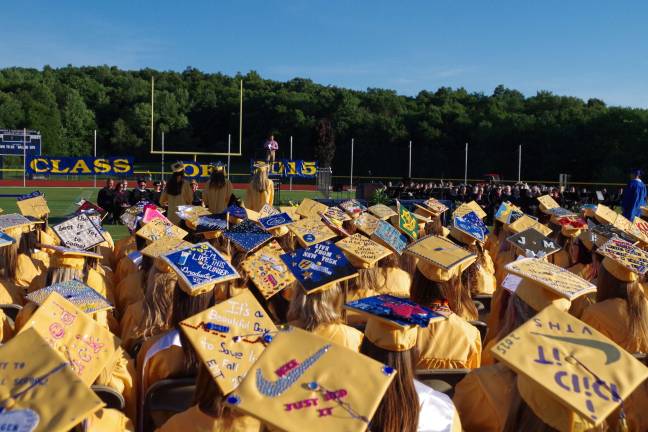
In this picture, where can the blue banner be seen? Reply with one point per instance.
(72, 165)
(290, 168)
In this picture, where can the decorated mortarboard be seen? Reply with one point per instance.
(525, 222)
(40, 393)
(319, 266)
(79, 232)
(353, 207)
(514, 215)
(388, 236)
(310, 208)
(432, 206)
(230, 337)
(267, 271)
(361, 251)
(381, 211)
(70, 252)
(164, 245)
(503, 211)
(33, 204)
(191, 212)
(533, 244)
(310, 231)
(79, 339)
(268, 210)
(604, 232)
(151, 213)
(210, 223)
(133, 214)
(336, 214)
(557, 279)
(639, 230)
(625, 254)
(291, 210)
(275, 221)
(440, 258)
(468, 207)
(407, 222)
(199, 267)
(237, 212)
(303, 382)
(158, 228)
(395, 310)
(367, 223)
(574, 222)
(13, 220)
(335, 225)
(605, 214)
(571, 376)
(547, 203)
(6, 240)
(560, 212)
(136, 257)
(76, 292)
(87, 206)
(471, 225)
(247, 235)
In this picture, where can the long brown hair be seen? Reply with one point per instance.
(610, 287)
(469, 276)
(210, 399)
(157, 306)
(217, 179)
(425, 292)
(399, 408)
(174, 183)
(375, 278)
(312, 310)
(516, 313)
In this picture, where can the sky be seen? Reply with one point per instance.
(588, 49)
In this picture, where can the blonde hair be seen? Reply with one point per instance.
(157, 305)
(311, 310)
(63, 274)
(375, 278)
(260, 181)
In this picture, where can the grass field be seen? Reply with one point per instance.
(62, 202)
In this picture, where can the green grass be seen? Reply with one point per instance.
(62, 202)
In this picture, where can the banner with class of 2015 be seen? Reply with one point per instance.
(80, 165)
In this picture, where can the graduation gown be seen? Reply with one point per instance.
(185, 197)
(452, 343)
(131, 318)
(201, 422)
(634, 196)
(216, 200)
(610, 317)
(255, 200)
(341, 334)
(6, 331)
(10, 293)
(109, 420)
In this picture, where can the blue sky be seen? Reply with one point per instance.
(580, 48)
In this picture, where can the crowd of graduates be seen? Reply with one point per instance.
(310, 317)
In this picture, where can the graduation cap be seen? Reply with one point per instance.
(367, 223)
(353, 207)
(158, 228)
(199, 268)
(319, 266)
(79, 232)
(388, 236)
(247, 235)
(470, 225)
(310, 231)
(381, 211)
(533, 244)
(335, 225)
(230, 337)
(624, 260)
(310, 208)
(560, 212)
(191, 212)
(275, 221)
(571, 226)
(85, 206)
(514, 215)
(237, 212)
(639, 230)
(303, 382)
(547, 203)
(65, 257)
(14, 220)
(393, 310)
(267, 271)
(557, 279)
(151, 213)
(361, 251)
(163, 246)
(336, 214)
(76, 292)
(468, 207)
(268, 210)
(33, 204)
(605, 214)
(136, 257)
(603, 233)
(432, 207)
(80, 340)
(407, 222)
(6, 240)
(525, 222)
(439, 259)
(209, 224)
(291, 210)
(504, 210)
(571, 376)
(40, 393)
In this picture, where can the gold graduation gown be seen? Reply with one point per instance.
(449, 344)
(109, 420)
(10, 293)
(201, 422)
(185, 197)
(610, 317)
(130, 290)
(168, 363)
(27, 269)
(254, 200)
(6, 332)
(484, 397)
(119, 374)
(216, 199)
(122, 248)
(341, 334)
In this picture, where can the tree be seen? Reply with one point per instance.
(324, 142)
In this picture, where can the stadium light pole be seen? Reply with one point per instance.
(162, 166)
(24, 157)
(466, 167)
(519, 163)
(409, 171)
(229, 146)
(95, 154)
(241, 119)
(152, 107)
(291, 142)
(351, 186)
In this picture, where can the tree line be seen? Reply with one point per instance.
(196, 111)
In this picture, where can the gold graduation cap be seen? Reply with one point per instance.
(639, 230)
(35, 207)
(561, 282)
(157, 229)
(310, 231)
(367, 223)
(268, 210)
(624, 260)
(505, 209)
(381, 211)
(439, 259)
(39, 391)
(570, 375)
(468, 207)
(303, 382)
(267, 271)
(74, 335)
(525, 222)
(605, 214)
(547, 203)
(361, 251)
(310, 208)
(230, 337)
(431, 207)
(69, 258)
(290, 211)
(14, 220)
(164, 245)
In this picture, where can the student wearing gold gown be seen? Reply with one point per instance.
(219, 190)
(178, 192)
(260, 190)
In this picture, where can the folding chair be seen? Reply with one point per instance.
(111, 397)
(11, 310)
(170, 395)
(482, 327)
(442, 380)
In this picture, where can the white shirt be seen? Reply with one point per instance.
(437, 410)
